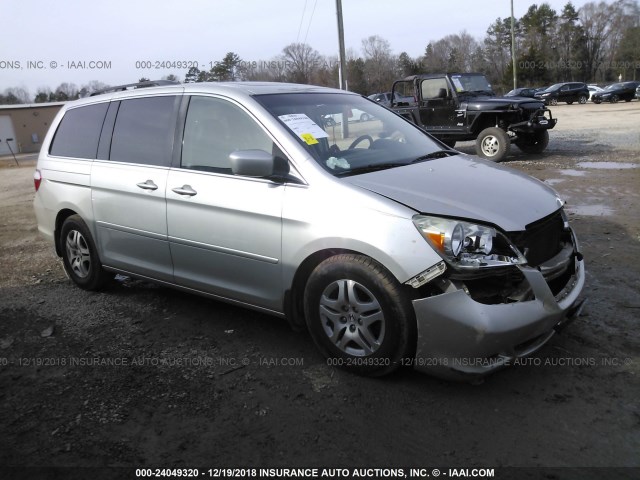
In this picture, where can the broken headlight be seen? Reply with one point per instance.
(466, 245)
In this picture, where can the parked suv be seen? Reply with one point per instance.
(568, 92)
(618, 91)
(389, 248)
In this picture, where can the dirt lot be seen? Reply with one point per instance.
(141, 376)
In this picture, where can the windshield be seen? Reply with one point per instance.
(554, 87)
(614, 86)
(348, 134)
(471, 83)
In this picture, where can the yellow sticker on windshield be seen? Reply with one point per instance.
(310, 139)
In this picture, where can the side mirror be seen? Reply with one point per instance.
(252, 163)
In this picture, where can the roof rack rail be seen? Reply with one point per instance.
(133, 86)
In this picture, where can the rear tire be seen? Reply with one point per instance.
(358, 315)
(80, 255)
(533, 143)
(493, 143)
(570, 103)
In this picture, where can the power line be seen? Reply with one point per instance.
(301, 20)
(310, 20)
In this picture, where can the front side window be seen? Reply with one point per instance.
(348, 134)
(144, 129)
(433, 88)
(79, 132)
(215, 128)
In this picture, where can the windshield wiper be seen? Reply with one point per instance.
(370, 168)
(438, 154)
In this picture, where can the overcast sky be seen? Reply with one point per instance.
(117, 33)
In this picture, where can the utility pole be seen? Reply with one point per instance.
(513, 47)
(342, 69)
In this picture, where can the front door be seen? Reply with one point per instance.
(224, 230)
(438, 106)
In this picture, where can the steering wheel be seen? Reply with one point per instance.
(360, 139)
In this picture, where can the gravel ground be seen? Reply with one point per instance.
(143, 376)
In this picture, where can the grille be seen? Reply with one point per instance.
(541, 240)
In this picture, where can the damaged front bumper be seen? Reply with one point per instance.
(461, 338)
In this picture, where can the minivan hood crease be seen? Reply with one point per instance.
(465, 187)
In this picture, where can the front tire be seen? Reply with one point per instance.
(493, 144)
(533, 143)
(615, 99)
(553, 101)
(80, 256)
(582, 100)
(358, 315)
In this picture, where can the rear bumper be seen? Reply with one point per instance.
(459, 338)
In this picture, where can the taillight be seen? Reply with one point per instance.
(37, 178)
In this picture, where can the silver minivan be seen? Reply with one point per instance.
(390, 248)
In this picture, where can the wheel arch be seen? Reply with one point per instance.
(60, 218)
(484, 120)
(293, 297)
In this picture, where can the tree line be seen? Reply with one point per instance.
(598, 43)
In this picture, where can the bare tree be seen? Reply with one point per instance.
(624, 15)
(380, 65)
(92, 87)
(300, 62)
(20, 94)
(595, 21)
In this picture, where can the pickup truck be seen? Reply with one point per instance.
(462, 106)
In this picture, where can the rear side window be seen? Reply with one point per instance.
(144, 129)
(79, 131)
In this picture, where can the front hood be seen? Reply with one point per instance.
(608, 93)
(502, 103)
(465, 187)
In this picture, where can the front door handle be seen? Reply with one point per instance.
(148, 185)
(185, 190)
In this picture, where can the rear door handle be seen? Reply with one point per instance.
(148, 185)
(185, 190)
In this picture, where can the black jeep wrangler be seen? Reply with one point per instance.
(462, 106)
